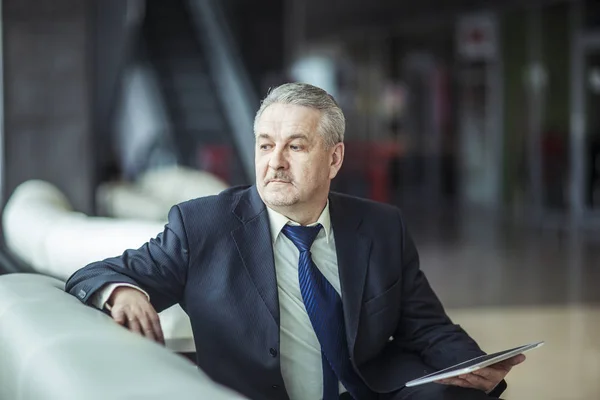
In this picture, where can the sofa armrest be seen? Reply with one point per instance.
(53, 347)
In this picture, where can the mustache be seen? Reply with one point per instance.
(280, 176)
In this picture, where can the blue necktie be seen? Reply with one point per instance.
(324, 308)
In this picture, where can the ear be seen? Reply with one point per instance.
(336, 159)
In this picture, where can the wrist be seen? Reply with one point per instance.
(111, 299)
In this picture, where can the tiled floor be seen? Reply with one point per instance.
(567, 367)
(480, 263)
(510, 286)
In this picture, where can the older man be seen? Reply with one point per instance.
(294, 291)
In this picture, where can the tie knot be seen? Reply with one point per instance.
(302, 236)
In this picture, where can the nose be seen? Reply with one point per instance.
(278, 159)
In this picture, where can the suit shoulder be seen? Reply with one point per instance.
(226, 199)
(377, 219)
(211, 213)
(366, 206)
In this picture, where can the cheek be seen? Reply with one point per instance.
(261, 164)
(313, 173)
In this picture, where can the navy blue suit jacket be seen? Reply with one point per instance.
(215, 258)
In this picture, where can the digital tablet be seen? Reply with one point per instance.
(473, 364)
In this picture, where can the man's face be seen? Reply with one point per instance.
(293, 165)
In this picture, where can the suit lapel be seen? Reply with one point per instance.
(353, 250)
(253, 241)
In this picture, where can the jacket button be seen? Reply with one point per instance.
(275, 386)
(273, 352)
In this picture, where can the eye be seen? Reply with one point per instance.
(295, 147)
(265, 146)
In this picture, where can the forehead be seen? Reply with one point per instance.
(288, 119)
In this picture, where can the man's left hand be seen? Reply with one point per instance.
(485, 379)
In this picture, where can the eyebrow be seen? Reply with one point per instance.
(291, 137)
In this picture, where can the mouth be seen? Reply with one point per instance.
(277, 181)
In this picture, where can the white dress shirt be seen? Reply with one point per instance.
(300, 350)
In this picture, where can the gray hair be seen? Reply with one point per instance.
(332, 124)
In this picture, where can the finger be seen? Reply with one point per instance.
(134, 325)
(509, 363)
(455, 382)
(492, 374)
(516, 360)
(147, 327)
(155, 321)
(119, 316)
(481, 383)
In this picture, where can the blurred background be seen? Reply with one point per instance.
(477, 117)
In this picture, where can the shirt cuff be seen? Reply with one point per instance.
(100, 298)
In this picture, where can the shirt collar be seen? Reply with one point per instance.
(277, 221)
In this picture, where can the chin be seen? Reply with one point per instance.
(279, 199)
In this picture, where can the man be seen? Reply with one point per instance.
(293, 291)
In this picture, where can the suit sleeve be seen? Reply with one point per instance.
(424, 326)
(159, 268)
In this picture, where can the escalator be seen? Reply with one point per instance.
(200, 130)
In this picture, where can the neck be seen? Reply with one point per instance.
(304, 215)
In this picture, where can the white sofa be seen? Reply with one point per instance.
(41, 228)
(52, 347)
(153, 194)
